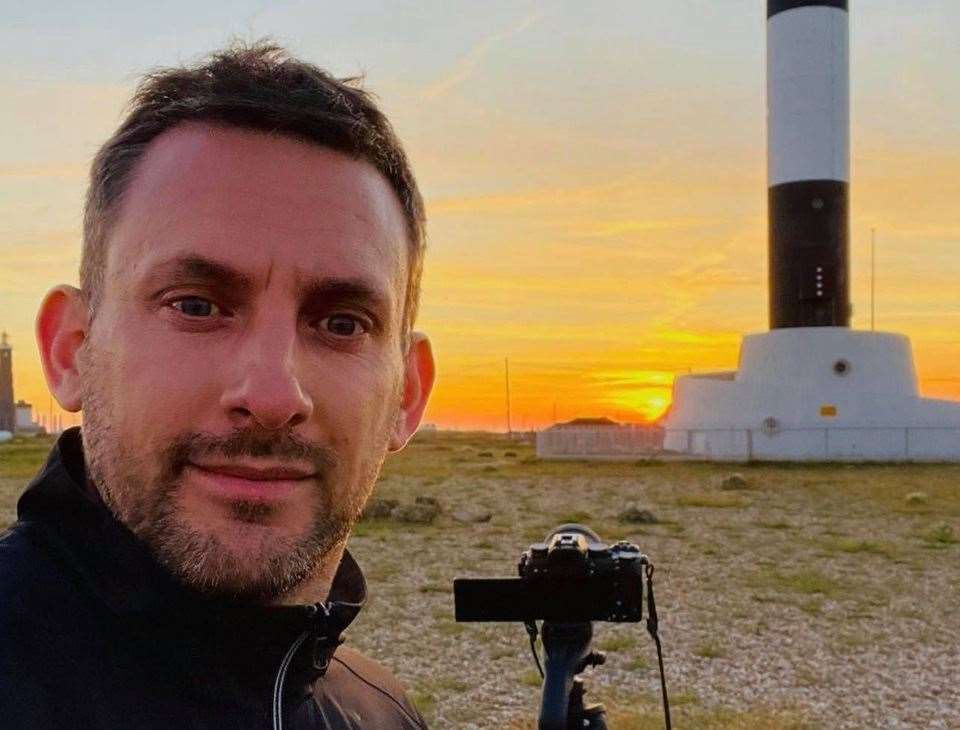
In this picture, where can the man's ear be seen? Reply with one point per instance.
(418, 382)
(62, 326)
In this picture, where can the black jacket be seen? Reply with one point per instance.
(95, 634)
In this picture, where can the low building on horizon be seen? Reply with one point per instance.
(24, 419)
(599, 438)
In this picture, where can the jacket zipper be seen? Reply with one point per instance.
(285, 665)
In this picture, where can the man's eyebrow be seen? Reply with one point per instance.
(333, 289)
(198, 268)
(315, 292)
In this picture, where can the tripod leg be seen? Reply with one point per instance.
(584, 717)
(565, 647)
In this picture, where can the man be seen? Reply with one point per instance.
(242, 349)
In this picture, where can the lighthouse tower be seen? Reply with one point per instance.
(811, 388)
(8, 413)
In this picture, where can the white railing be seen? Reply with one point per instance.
(577, 442)
(821, 443)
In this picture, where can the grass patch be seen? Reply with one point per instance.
(434, 587)
(701, 719)
(450, 628)
(941, 535)
(707, 499)
(377, 527)
(812, 607)
(424, 701)
(617, 642)
(531, 678)
(806, 582)
(709, 650)
(648, 715)
(853, 546)
(671, 526)
(22, 457)
(852, 642)
(638, 662)
(449, 684)
(679, 699)
(384, 572)
(778, 525)
(577, 517)
(649, 462)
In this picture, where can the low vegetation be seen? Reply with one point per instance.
(811, 596)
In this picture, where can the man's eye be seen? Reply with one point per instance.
(196, 307)
(342, 325)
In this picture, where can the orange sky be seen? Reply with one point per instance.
(595, 183)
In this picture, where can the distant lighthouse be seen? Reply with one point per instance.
(8, 412)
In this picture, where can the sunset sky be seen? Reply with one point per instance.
(594, 176)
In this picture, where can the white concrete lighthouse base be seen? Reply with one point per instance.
(814, 394)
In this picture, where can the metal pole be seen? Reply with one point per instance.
(873, 276)
(506, 366)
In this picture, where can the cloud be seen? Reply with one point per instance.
(467, 64)
(656, 379)
(617, 228)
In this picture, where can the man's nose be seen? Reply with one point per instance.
(265, 386)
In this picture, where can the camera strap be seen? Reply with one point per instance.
(652, 629)
(531, 627)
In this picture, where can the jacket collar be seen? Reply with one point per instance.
(122, 572)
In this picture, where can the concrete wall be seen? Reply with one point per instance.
(790, 401)
(24, 417)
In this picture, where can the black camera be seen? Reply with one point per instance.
(568, 581)
(571, 577)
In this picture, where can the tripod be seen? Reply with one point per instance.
(567, 653)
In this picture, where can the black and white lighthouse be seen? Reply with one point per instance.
(808, 162)
(811, 388)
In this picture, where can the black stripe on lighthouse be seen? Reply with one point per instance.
(778, 6)
(808, 254)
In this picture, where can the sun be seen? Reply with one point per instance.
(648, 393)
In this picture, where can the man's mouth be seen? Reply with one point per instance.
(247, 481)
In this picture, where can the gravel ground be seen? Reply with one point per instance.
(815, 597)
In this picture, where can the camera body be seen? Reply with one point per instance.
(571, 577)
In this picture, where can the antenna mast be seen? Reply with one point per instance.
(506, 365)
(873, 276)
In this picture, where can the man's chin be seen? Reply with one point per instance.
(240, 559)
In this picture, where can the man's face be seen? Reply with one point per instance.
(242, 377)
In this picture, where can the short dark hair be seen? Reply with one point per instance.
(257, 86)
